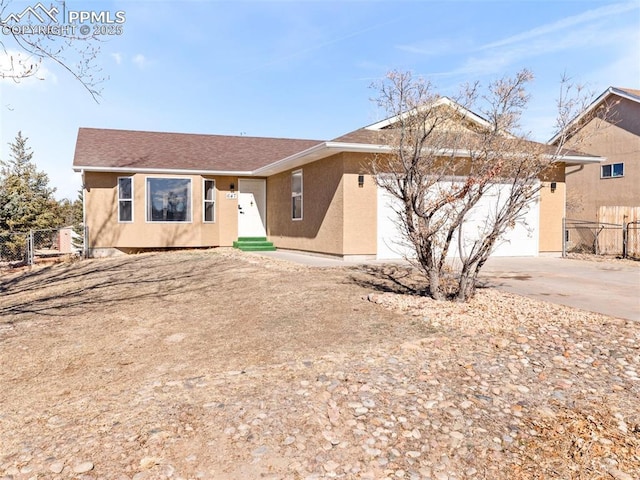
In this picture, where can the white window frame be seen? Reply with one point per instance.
(130, 200)
(146, 196)
(297, 195)
(205, 201)
(612, 165)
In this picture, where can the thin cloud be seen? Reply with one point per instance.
(590, 29)
(434, 47)
(597, 14)
(586, 31)
(117, 57)
(140, 61)
(499, 59)
(296, 52)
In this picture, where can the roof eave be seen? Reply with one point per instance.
(624, 94)
(171, 171)
(571, 160)
(312, 154)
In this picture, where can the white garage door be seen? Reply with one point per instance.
(521, 241)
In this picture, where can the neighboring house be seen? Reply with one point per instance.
(609, 127)
(149, 190)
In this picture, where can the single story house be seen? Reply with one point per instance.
(152, 190)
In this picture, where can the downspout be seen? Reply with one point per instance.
(85, 233)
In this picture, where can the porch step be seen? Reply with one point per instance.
(254, 244)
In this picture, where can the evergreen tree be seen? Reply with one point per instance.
(26, 199)
(77, 215)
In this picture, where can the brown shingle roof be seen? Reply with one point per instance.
(105, 148)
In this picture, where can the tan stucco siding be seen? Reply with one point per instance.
(552, 209)
(226, 211)
(360, 207)
(618, 141)
(105, 231)
(321, 226)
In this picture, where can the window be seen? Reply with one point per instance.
(125, 199)
(296, 195)
(209, 201)
(614, 170)
(168, 200)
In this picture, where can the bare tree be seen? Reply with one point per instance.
(573, 104)
(445, 160)
(29, 37)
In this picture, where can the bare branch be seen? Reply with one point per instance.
(27, 44)
(446, 159)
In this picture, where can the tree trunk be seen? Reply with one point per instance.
(435, 289)
(467, 285)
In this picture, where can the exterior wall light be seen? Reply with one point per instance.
(232, 187)
(554, 185)
(360, 181)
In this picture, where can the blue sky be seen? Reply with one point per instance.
(303, 69)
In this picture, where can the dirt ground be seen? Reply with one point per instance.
(219, 364)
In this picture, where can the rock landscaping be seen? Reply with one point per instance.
(266, 370)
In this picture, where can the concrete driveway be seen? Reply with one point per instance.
(612, 288)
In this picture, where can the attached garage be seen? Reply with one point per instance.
(521, 241)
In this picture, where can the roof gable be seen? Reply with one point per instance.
(627, 93)
(442, 102)
(459, 119)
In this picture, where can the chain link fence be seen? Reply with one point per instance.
(27, 248)
(14, 248)
(632, 240)
(599, 238)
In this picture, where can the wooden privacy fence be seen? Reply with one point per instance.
(627, 245)
(632, 240)
(617, 232)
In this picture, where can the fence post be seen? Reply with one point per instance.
(30, 255)
(625, 238)
(85, 243)
(595, 242)
(564, 237)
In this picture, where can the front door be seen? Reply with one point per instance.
(252, 210)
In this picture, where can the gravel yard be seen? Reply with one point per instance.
(224, 365)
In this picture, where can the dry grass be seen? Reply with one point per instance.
(85, 345)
